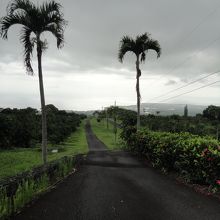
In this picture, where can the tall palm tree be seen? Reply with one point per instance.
(35, 20)
(139, 47)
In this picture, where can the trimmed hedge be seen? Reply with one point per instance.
(194, 157)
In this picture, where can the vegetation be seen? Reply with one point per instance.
(16, 192)
(21, 127)
(175, 143)
(106, 135)
(201, 124)
(195, 158)
(35, 20)
(139, 47)
(19, 160)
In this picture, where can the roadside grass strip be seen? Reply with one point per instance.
(106, 135)
(18, 160)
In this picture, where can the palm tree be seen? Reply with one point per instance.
(139, 47)
(35, 20)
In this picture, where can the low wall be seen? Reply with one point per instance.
(17, 191)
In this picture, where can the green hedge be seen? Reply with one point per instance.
(194, 157)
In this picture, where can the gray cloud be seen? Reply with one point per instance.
(170, 82)
(95, 28)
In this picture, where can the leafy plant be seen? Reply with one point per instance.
(194, 157)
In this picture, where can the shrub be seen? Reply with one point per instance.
(22, 127)
(194, 157)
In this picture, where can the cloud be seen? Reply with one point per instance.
(170, 82)
(91, 46)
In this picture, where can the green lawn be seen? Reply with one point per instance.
(106, 135)
(19, 160)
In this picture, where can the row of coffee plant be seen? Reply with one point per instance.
(22, 127)
(203, 124)
(195, 158)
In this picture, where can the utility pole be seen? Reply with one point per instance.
(115, 123)
(186, 111)
(102, 116)
(217, 132)
(106, 115)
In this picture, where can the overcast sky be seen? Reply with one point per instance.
(86, 73)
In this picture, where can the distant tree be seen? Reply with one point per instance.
(212, 112)
(20, 128)
(139, 47)
(186, 111)
(95, 113)
(112, 111)
(157, 112)
(51, 108)
(35, 21)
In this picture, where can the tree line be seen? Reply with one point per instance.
(21, 128)
(37, 19)
(202, 124)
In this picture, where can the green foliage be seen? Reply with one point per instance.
(107, 136)
(16, 192)
(21, 128)
(212, 112)
(19, 160)
(28, 189)
(194, 157)
(202, 125)
(198, 125)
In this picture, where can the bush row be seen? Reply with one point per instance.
(194, 157)
(22, 127)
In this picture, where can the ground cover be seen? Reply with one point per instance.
(18, 160)
(106, 135)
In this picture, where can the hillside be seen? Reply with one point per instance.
(167, 109)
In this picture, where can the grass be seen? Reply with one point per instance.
(15, 161)
(106, 135)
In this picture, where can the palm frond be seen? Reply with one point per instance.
(58, 32)
(23, 5)
(54, 21)
(153, 45)
(140, 41)
(50, 7)
(127, 44)
(142, 38)
(35, 19)
(9, 20)
(143, 57)
(44, 45)
(28, 48)
(56, 25)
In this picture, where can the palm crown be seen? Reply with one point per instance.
(35, 20)
(139, 46)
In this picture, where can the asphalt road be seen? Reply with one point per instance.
(115, 185)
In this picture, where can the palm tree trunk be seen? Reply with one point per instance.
(43, 110)
(138, 92)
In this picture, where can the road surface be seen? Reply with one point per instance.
(115, 185)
